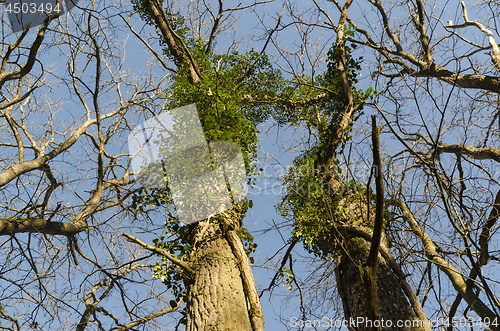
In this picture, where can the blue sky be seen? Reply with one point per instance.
(276, 151)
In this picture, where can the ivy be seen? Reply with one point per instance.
(248, 242)
(225, 115)
(316, 199)
(176, 21)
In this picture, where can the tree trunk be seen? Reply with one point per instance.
(217, 294)
(393, 305)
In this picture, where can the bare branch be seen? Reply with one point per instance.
(183, 265)
(487, 153)
(454, 276)
(495, 54)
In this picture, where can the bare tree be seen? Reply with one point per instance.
(67, 105)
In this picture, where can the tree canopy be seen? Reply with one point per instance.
(396, 213)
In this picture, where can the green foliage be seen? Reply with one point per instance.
(316, 198)
(177, 245)
(323, 116)
(287, 277)
(220, 97)
(152, 197)
(315, 206)
(248, 242)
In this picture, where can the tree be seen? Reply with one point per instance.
(440, 197)
(206, 262)
(48, 211)
(66, 106)
(331, 216)
(53, 214)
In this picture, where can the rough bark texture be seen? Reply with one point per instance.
(216, 298)
(393, 304)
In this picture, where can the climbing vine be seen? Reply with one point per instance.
(317, 199)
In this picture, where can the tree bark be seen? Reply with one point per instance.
(393, 304)
(218, 298)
